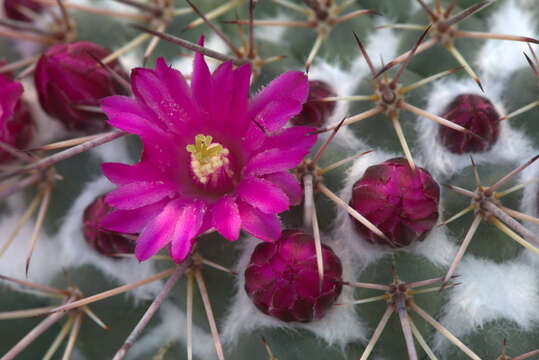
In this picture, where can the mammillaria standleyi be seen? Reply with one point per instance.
(263, 132)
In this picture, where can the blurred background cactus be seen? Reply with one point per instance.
(416, 234)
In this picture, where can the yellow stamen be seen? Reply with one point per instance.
(207, 157)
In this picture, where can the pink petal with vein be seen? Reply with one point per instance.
(266, 227)
(189, 221)
(226, 218)
(289, 184)
(158, 232)
(263, 195)
(132, 221)
(138, 194)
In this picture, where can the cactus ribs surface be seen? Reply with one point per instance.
(242, 139)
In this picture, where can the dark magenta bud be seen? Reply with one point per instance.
(316, 113)
(21, 10)
(477, 114)
(67, 76)
(282, 278)
(403, 205)
(103, 241)
(17, 127)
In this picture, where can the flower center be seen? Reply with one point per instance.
(210, 163)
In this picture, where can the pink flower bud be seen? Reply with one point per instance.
(403, 205)
(67, 76)
(103, 241)
(16, 124)
(475, 113)
(19, 9)
(282, 278)
(316, 113)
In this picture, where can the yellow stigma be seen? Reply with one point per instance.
(207, 158)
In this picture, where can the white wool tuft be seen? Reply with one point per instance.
(76, 252)
(490, 291)
(48, 129)
(511, 146)
(42, 267)
(339, 326)
(274, 34)
(381, 43)
(530, 204)
(511, 19)
(343, 83)
(172, 328)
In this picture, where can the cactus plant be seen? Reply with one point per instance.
(241, 120)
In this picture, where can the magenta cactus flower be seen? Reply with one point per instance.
(67, 75)
(19, 9)
(476, 113)
(403, 205)
(211, 159)
(316, 113)
(16, 124)
(282, 278)
(101, 240)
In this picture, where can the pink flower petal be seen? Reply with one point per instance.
(263, 195)
(266, 227)
(229, 98)
(273, 160)
(121, 174)
(226, 218)
(138, 194)
(295, 137)
(280, 100)
(189, 220)
(201, 80)
(166, 92)
(131, 116)
(240, 101)
(158, 232)
(132, 221)
(289, 184)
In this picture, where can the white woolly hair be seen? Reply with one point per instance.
(52, 253)
(489, 291)
(48, 129)
(343, 83)
(438, 246)
(273, 34)
(76, 252)
(172, 328)
(529, 205)
(339, 326)
(42, 267)
(381, 43)
(510, 18)
(511, 146)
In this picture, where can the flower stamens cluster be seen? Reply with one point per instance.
(207, 158)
